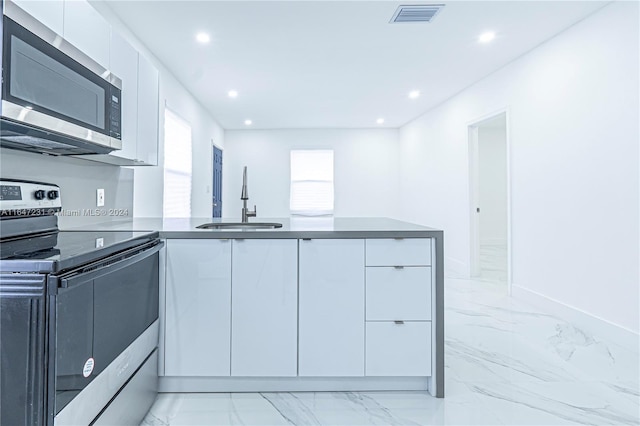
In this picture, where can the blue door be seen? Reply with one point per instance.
(217, 182)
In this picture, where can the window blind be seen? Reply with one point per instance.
(177, 166)
(311, 182)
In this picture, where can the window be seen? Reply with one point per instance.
(177, 166)
(311, 182)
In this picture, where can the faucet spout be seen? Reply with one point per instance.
(245, 192)
(246, 213)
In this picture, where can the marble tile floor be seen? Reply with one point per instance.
(506, 364)
(493, 263)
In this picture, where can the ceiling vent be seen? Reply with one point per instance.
(416, 13)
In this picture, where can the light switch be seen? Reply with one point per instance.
(100, 197)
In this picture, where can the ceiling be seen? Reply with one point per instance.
(336, 64)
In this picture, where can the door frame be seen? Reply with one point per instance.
(213, 153)
(474, 189)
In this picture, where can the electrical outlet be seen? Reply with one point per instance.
(100, 197)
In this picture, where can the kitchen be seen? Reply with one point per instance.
(569, 91)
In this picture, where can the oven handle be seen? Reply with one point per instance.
(111, 264)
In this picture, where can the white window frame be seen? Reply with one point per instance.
(178, 166)
(311, 177)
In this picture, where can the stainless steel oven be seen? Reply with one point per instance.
(55, 99)
(78, 314)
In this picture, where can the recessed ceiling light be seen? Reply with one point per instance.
(380, 120)
(414, 94)
(203, 38)
(232, 94)
(486, 37)
(248, 122)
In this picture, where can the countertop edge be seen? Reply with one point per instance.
(252, 234)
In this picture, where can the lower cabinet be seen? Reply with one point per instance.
(198, 308)
(398, 348)
(331, 313)
(308, 308)
(264, 308)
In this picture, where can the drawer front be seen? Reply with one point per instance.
(398, 294)
(398, 349)
(398, 252)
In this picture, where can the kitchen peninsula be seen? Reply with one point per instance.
(319, 304)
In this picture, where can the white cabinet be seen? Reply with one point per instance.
(140, 107)
(87, 30)
(399, 293)
(50, 12)
(398, 349)
(124, 64)
(398, 305)
(308, 311)
(331, 308)
(148, 101)
(264, 307)
(198, 308)
(399, 252)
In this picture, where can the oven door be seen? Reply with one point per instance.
(46, 88)
(99, 312)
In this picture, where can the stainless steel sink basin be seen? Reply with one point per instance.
(240, 225)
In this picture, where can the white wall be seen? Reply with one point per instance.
(573, 127)
(78, 181)
(148, 187)
(492, 162)
(365, 169)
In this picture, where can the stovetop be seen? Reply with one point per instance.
(65, 250)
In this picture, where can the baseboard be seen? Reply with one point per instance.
(591, 323)
(291, 384)
(454, 268)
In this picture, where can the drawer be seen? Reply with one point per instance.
(398, 349)
(398, 293)
(398, 252)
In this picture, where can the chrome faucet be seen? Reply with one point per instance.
(246, 213)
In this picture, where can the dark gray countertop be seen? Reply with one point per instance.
(294, 227)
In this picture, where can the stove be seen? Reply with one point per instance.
(78, 316)
(64, 250)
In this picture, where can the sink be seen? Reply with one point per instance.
(239, 225)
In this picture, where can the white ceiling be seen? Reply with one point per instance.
(339, 64)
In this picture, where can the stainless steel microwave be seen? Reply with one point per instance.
(55, 99)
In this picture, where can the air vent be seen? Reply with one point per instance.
(416, 13)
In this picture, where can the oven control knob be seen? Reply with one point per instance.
(52, 195)
(39, 194)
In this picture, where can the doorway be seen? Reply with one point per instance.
(217, 182)
(490, 199)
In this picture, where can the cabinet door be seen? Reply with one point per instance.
(399, 293)
(87, 30)
(50, 12)
(148, 90)
(264, 308)
(398, 252)
(198, 303)
(398, 349)
(331, 308)
(124, 64)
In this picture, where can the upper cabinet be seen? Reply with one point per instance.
(83, 26)
(50, 13)
(148, 101)
(87, 30)
(124, 64)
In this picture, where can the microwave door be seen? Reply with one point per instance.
(46, 90)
